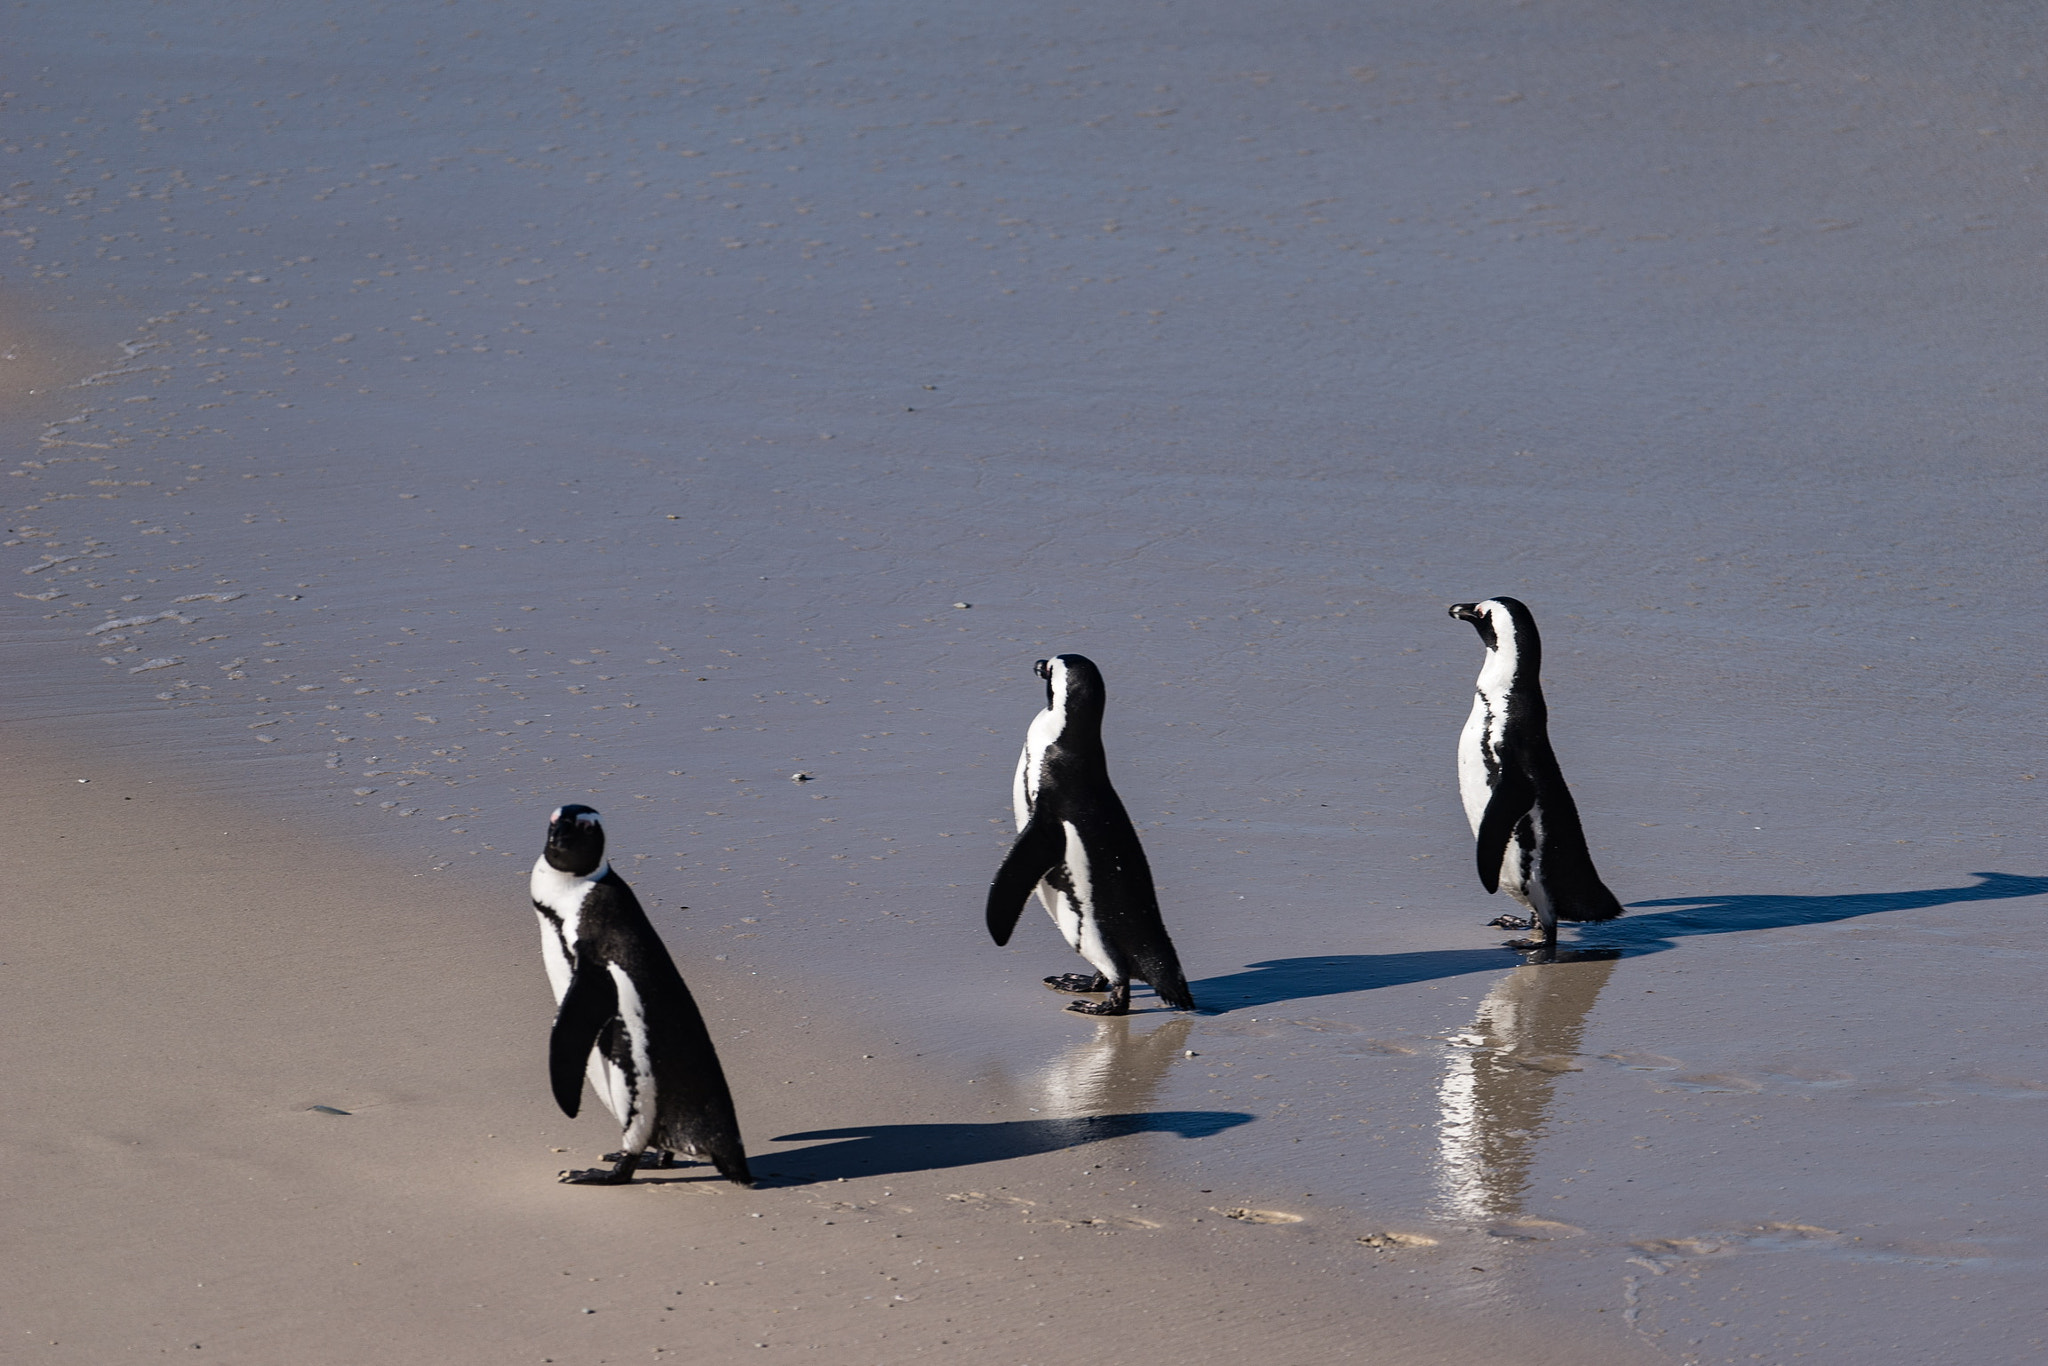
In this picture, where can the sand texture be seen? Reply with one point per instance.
(420, 418)
(291, 1105)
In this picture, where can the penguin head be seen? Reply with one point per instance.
(575, 841)
(1506, 626)
(1073, 685)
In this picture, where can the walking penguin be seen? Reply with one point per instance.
(1529, 840)
(624, 1017)
(1076, 846)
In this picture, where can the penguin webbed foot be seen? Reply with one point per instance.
(1118, 1003)
(1078, 982)
(1511, 922)
(617, 1175)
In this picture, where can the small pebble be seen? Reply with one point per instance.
(963, 605)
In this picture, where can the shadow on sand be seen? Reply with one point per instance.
(1731, 914)
(1293, 979)
(887, 1149)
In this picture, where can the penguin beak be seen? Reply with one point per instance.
(1465, 611)
(1043, 668)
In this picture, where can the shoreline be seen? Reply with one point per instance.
(198, 977)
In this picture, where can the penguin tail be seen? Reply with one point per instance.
(1591, 903)
(721, 1149)
(1164, 977)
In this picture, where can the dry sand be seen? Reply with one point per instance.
(419, 418)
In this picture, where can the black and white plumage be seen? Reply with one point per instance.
(1076, 846)
(623, 1017)
(1522, 814)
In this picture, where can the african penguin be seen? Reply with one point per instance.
(1527, 827)
(623, 1016)
(1077, 847)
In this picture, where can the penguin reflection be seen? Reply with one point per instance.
(1117, 1071)
(1499, 1075)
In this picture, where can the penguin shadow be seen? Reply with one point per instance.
(1294, 979)
(1279, 980)
(896, 1149)
(1638, 934)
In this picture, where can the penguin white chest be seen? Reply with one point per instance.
(1478, 744)
(563, 895)
(1045, 728)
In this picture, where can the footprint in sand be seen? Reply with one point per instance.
(1392, 1240)
(1259, 1216)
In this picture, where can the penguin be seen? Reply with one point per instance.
(623, 1016)
(1077, 847)
(1522, 814)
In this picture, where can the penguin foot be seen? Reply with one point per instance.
(1078, 982)
(1511, 922)
(600, 1176)
(1526, 944)
(1118, 1003)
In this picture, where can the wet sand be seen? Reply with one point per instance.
(465, 414)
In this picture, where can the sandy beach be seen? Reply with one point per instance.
(190, 1010)
(417, 420)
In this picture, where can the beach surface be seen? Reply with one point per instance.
(421, 418)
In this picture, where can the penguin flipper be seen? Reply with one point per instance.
(1513, 797)
(590, 1003)
(1037, 850)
